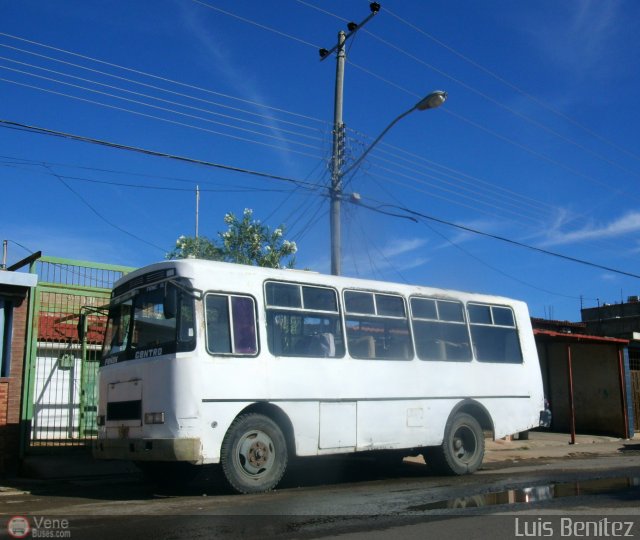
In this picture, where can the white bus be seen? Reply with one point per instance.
(208, 362)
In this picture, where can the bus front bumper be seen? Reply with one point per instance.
(149, 449)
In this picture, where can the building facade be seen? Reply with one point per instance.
(15, 291)
(586, 379)
(622, 321)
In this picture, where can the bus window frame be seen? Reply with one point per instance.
(303, 311)
(375, 316)
(256, 324)
(176, 346)
(465, 323)
(515, 328)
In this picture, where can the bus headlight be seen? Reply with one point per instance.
(154, 418)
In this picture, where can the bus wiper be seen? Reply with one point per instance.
(194, 293)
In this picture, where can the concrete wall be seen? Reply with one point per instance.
(596, 387)
(611, 311)
(615, 320)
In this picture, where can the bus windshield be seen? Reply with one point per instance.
(157, 320)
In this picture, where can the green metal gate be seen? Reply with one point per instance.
(59, 391)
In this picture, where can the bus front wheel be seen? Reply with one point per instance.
(462, 449)
(253, 454)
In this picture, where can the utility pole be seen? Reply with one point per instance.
(197, 220)
(3, 266)
(197, 207)
(337, 155)
(336, 160)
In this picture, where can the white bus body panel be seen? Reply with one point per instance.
(334, 405)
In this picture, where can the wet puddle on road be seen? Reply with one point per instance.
(532, 494)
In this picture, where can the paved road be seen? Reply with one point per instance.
(321, 498)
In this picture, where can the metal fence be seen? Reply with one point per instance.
(60, 393)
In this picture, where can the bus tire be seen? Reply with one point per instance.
(462, 449)
(253, 454)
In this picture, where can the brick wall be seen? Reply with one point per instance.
(11, 387)
(4, 401)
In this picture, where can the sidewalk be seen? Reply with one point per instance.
(540, 445)
(543, 444)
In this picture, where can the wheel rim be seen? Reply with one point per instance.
(464, 444)
(255, 455)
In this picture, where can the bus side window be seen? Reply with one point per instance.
(303, 320)
(377, 326)
(440, 330)
(494, 334)
(244, 325)
(231, 324)
(218, 330)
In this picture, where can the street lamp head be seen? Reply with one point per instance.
(432, 101)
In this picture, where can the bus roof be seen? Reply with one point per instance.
(200, 270)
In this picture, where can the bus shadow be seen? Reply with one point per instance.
(209, 480)
(358, 468)
(312, 472)
(630, 447)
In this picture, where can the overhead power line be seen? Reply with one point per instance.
(62, 179)
(155, 77)
(207, 101)
(484, 95)
(502, 105)
(377, 206)
(102, 217)
(448, 176)
(415, 216)
(240, 189)
(168, 120)
(166, 109)
(153, 87)
(254, 23)
(511, 110)
(70, 136)
(459, 247)
(505, 138)
(513, 86)
(17, 161)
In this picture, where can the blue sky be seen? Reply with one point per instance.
(537, 142)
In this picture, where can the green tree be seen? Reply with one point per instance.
(246, 241)
(196, 248)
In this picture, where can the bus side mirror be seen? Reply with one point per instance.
(170, 302)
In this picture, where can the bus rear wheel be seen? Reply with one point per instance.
(253, 454)
(462, 449)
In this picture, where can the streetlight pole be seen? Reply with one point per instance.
(336, 159)
(430, 101)
(338, 137)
